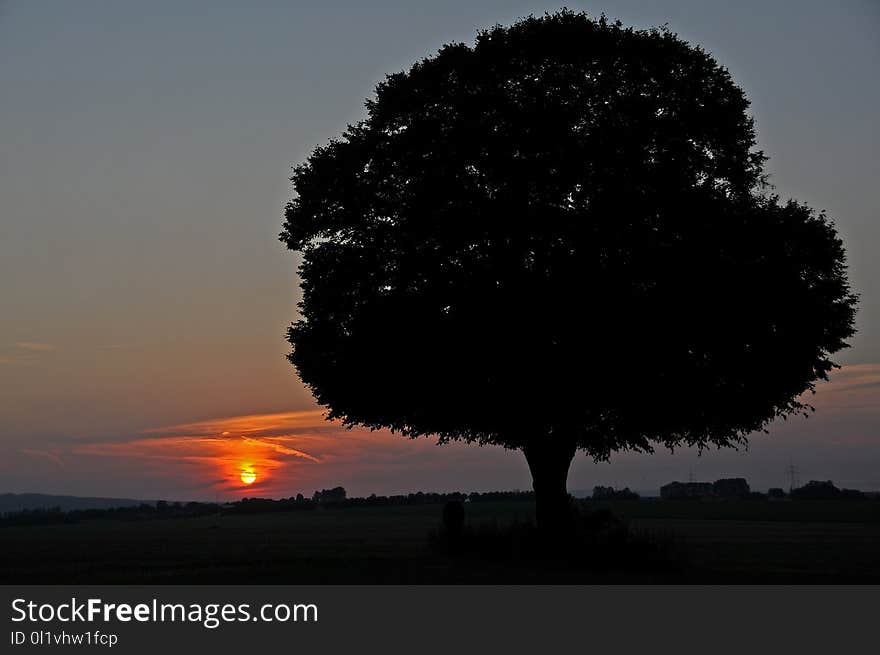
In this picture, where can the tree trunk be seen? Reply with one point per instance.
(549, 462)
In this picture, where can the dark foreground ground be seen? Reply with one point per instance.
(689, 542)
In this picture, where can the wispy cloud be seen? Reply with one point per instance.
(34, 346)
(47, 454)
(275, 445)
(272, 443)
(264, 425)
(290, 452)
(853, 387)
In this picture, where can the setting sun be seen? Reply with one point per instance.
(248, 476)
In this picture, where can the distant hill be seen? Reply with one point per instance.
(18, 502)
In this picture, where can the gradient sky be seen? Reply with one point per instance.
(144, 156)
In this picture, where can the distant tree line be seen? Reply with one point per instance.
(337, 498)
(161, 509)
(825, 490)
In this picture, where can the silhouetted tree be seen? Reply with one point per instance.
(559, 239)
(610, 493)
(824, 490)
(329, 496)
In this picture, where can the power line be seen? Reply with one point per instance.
(793, 482)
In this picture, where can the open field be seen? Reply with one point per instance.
(835, 541)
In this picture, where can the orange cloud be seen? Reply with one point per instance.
(282, 449)
(852, 387)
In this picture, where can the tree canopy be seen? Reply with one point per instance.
(561, 234)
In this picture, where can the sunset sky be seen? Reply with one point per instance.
(144, 295)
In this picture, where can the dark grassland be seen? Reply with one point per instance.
(701, 542)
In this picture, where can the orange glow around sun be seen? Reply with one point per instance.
(272, 454)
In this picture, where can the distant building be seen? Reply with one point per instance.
(726, 488)
(685, 490)
(730, 488)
